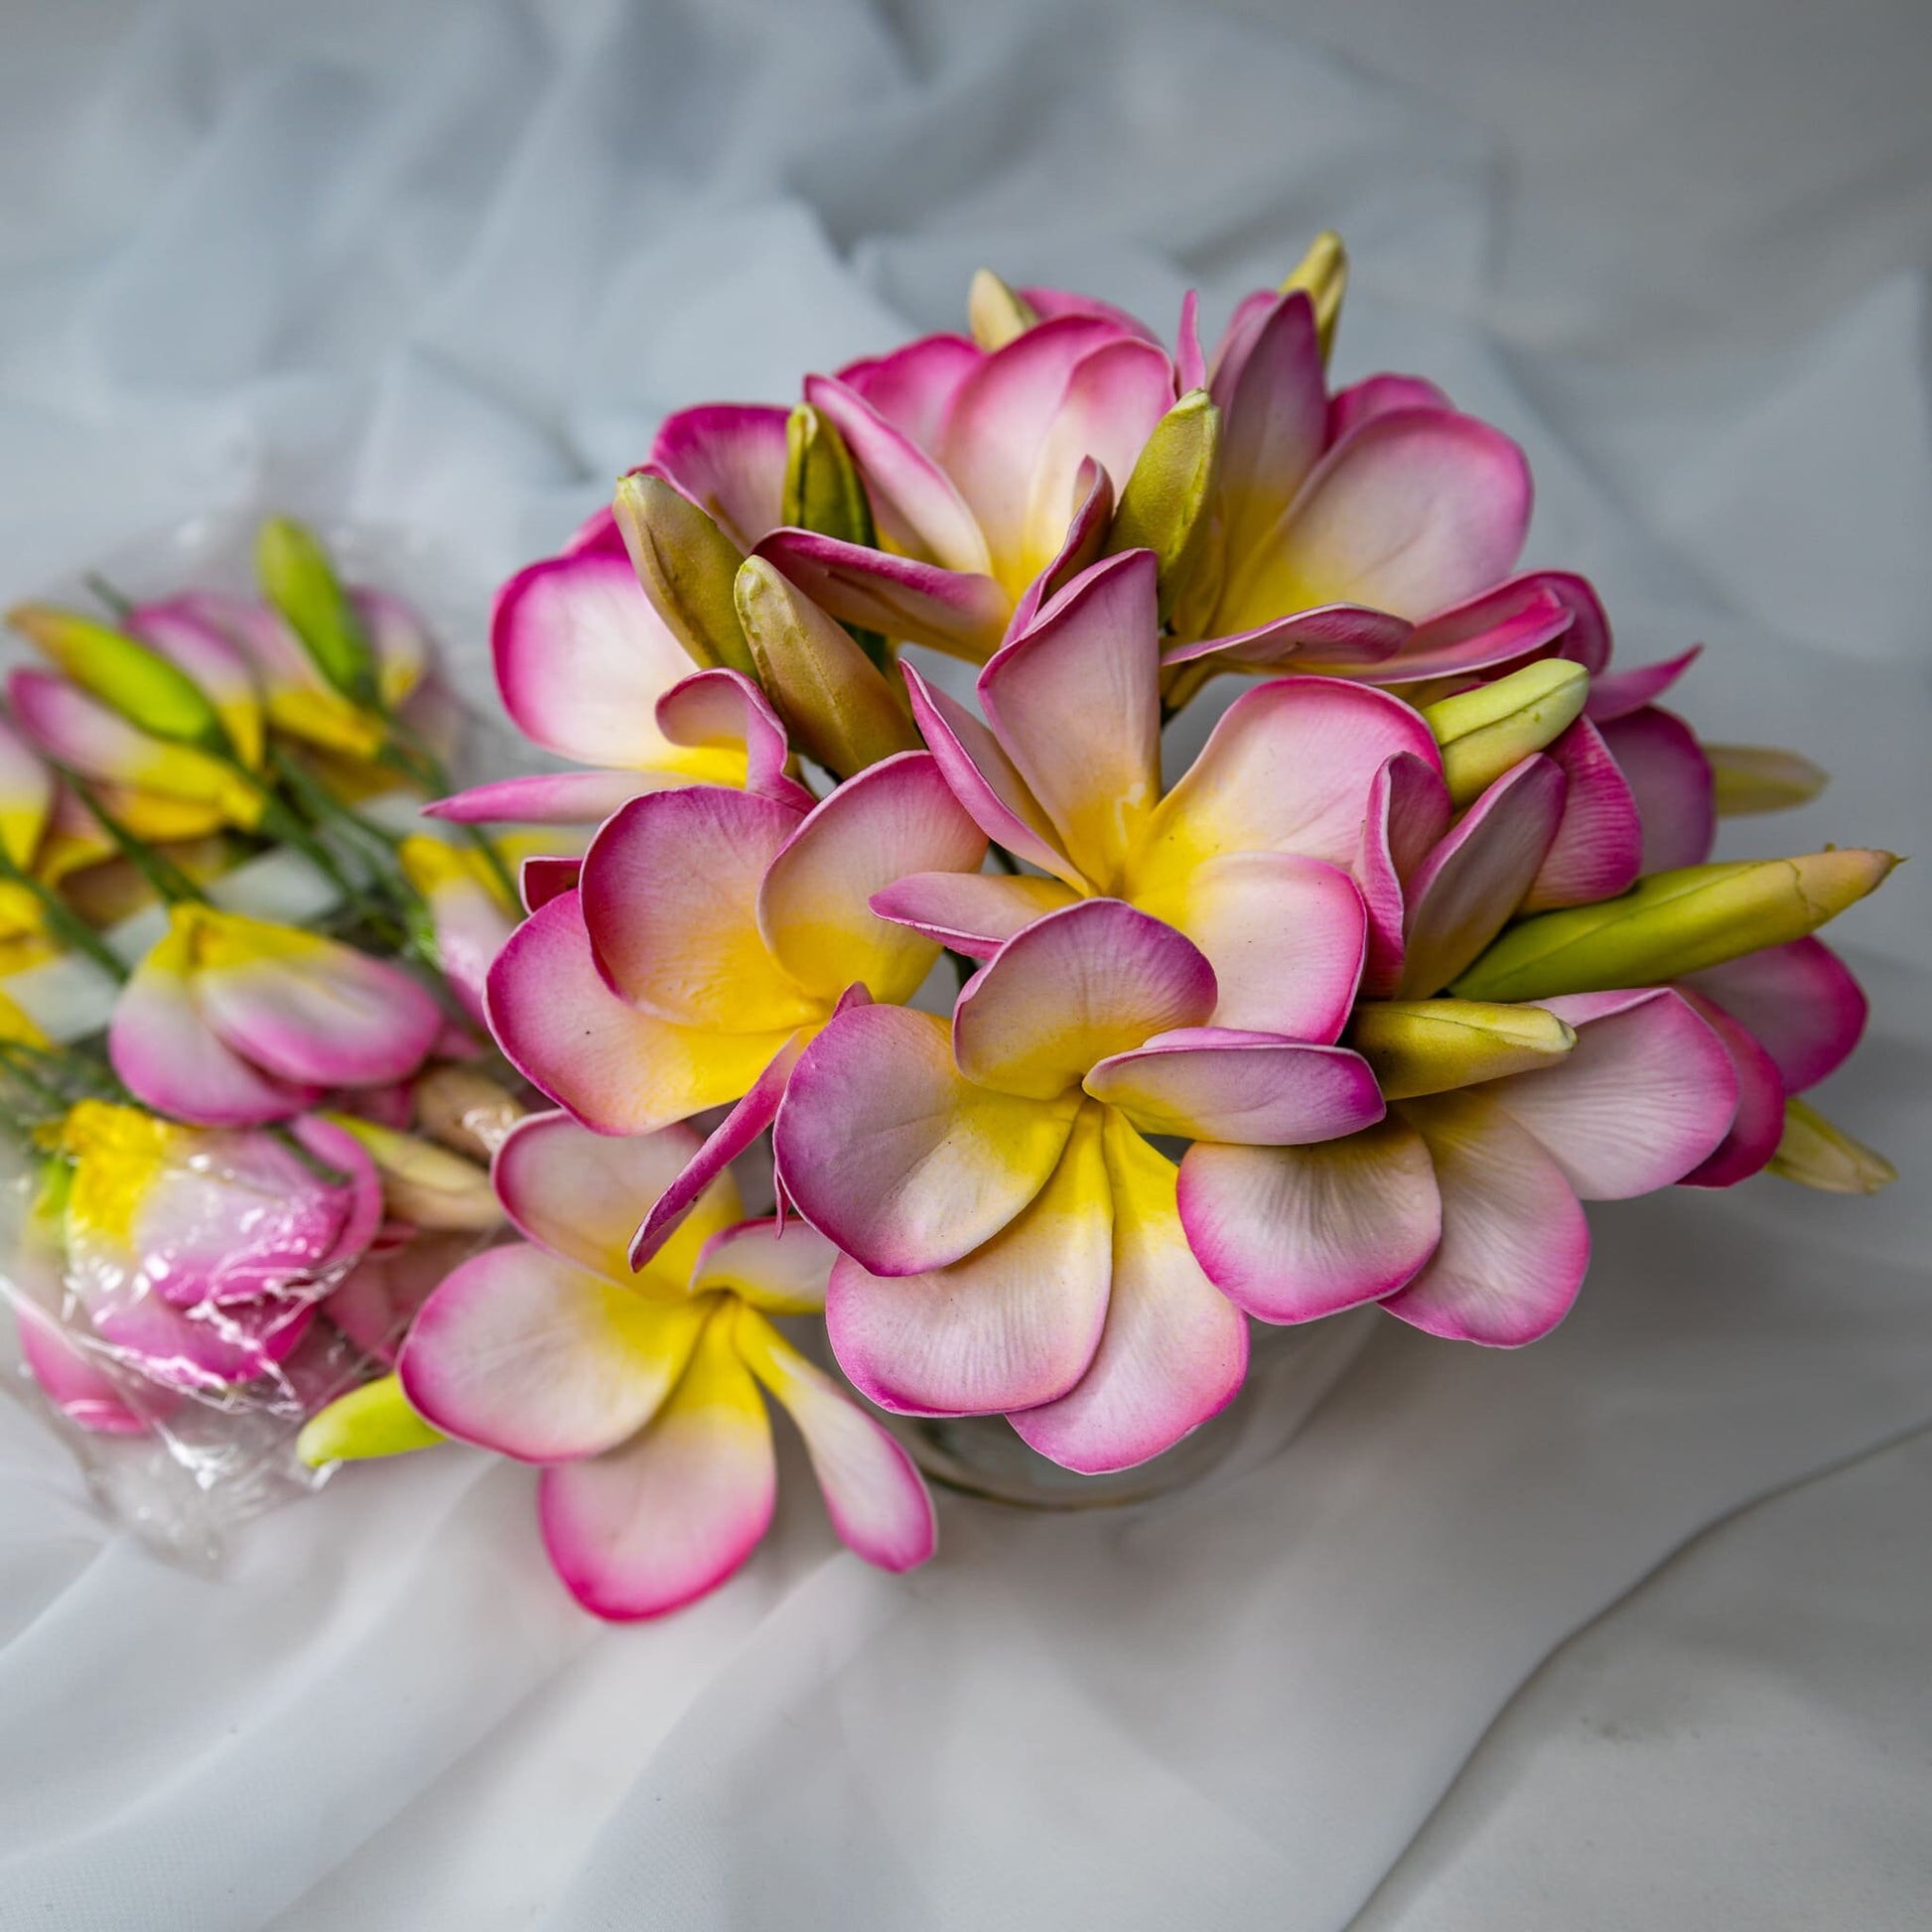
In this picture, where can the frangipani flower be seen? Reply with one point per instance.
(197, 1257)
(639, 1394)
(1010, 1242)
(233, 1022)
(713, 932)
(588, 670)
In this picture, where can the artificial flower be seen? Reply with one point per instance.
(233, 1022)
(639, 1394)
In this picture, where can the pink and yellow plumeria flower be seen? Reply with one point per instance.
(1010, 1243)
(712, 933)
(589, 671)
(639, 1394)
(197, 1257)
(233, 1022)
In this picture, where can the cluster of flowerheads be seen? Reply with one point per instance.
(239, 1187)
(1064, 1066)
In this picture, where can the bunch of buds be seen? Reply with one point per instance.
(1068, 1069)
(246, 1148)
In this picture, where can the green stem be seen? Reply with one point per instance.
(121, 606)
(64, 921)
(170, 883)
(10, 1059)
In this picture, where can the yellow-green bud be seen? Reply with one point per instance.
(1815, 1154)
(1164, 505)
(374, 1420)
(994, 313)
(1323, 273)
(1762, 779)
(425, 1185)
(298, 579)
(1673, 923)
(1418, 1046)
(687, 566)
(125, 674)
(822, 491)
(834, 700)
(1484, 731)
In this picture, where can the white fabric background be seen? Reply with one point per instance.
(1628, 1630)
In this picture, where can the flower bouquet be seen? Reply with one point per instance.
(1053, 1071)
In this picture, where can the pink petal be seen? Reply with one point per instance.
(615, 1069)
(1646, 1093)
(886, 1149)
(1275, 416)
(815, 906)
(542, 879)
(1013, 1324)
(582, 659)
(77, 1379)
(722, 1146)
(384, 1290)
(1050, 304)
(781, 1269)
(1286, 768)
(1515, 1244)
(1208, 1083)
(1758, 1124)
(1075, 704)
(999, 424)
(1599, 848)
(1801, 1002)
(309, 1009)
(670, 1515)
(1517, 620)
(670, 889)
(580, 1194)
(1467, 889)
(984, 780)
(876, 1498)
(1293, 1233)
(1344, 635)
(1114, 398)
(1191, 362)
(548, 797)
(470, 927)
(723, 710)
(962, 613)
(970, 912)
(1251, 315)
(597, 531)
(913, 387)
(1285, 935)
(1084, 545)
(1670, 778)
(1174, 1350)
(914, 501)
(1616, 694)
(1412, 512)
(1380, 395)
(165, 1054)
(728, 458)
(1092, 979)
(1408, 813)
(528, 1355)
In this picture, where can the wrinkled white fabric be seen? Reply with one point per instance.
(446, 266)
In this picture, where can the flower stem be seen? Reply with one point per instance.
(64, 921)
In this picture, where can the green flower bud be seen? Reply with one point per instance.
(996, 313)
(834, 700)
(374, 1420)
(1762, 779)
(298, 579)
(1815, 1154)
(127, 676)
(823, 493)
(1418, 1046)
(1323, 273)
(1165, 506)
(1484, 731)
(687, 566)
(1673, 923)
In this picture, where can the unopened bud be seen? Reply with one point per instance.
(1486, 732)
(837, 706)
(1324, 274)
(298, 579)
(994, 313)
(1418, 1046)
(687, 566)
(1815, 1154)
(130, 677)
(1169, 493)
(1673, 923)
(1762, 779)
(374, 1420)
